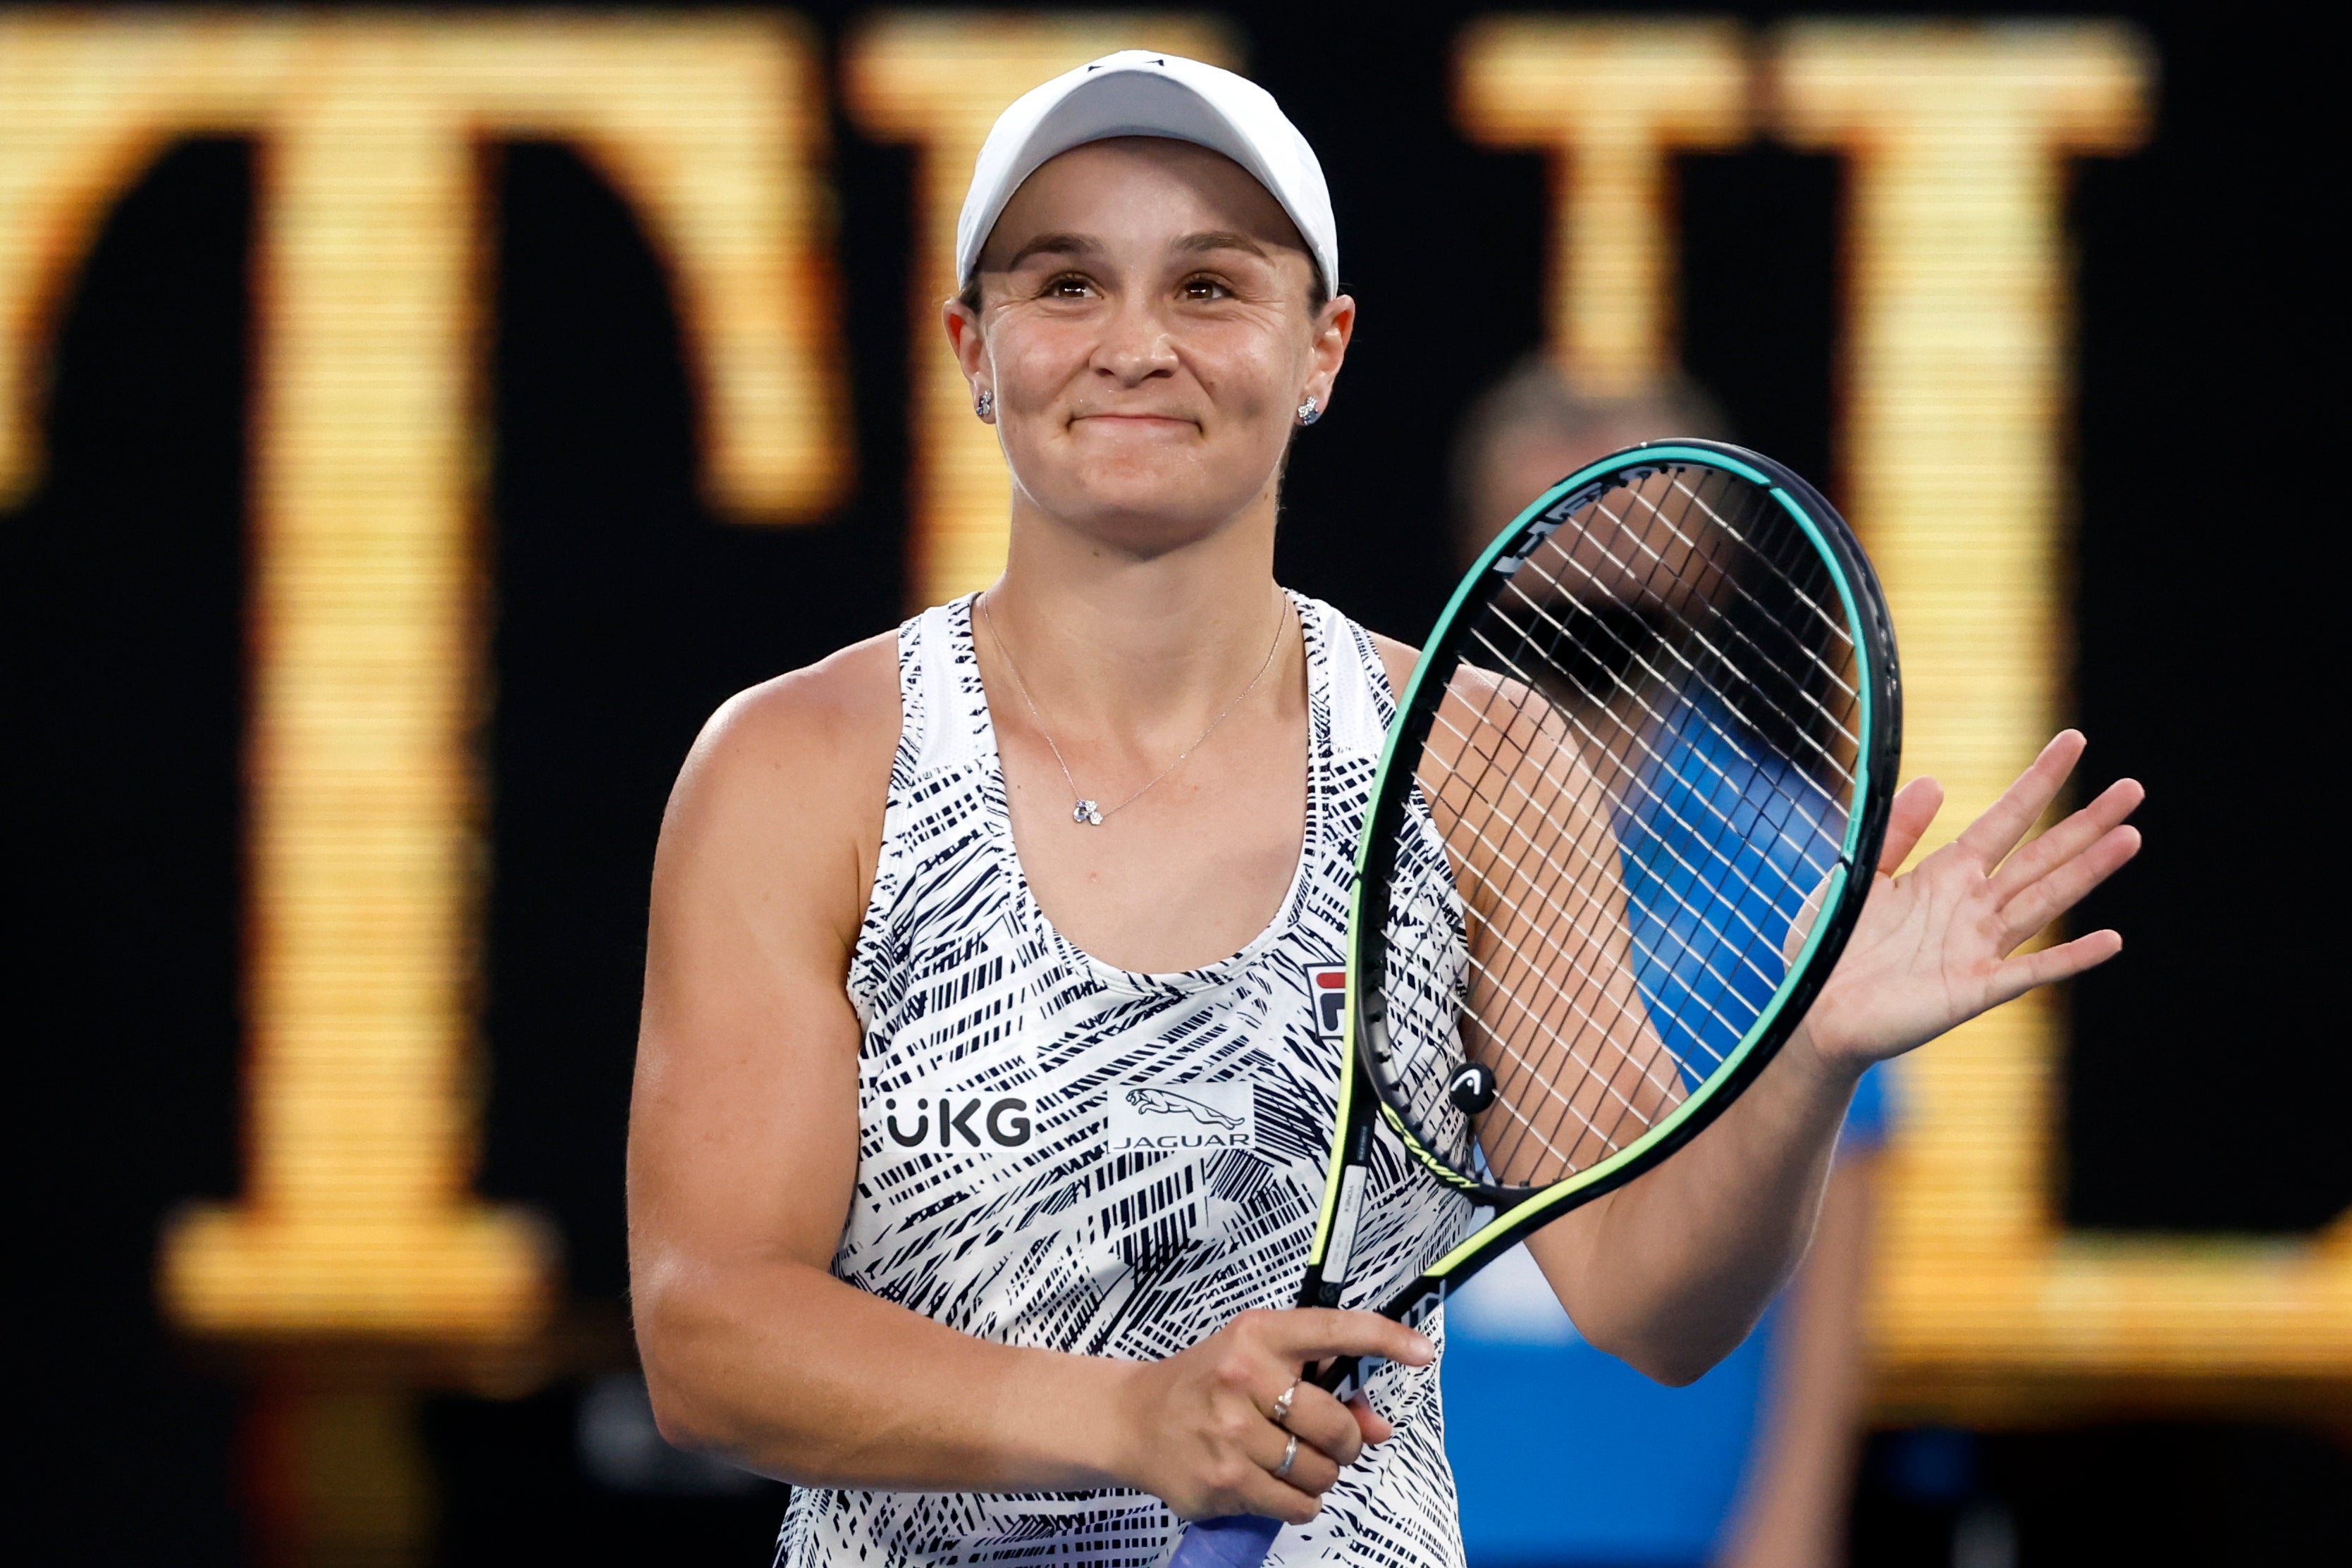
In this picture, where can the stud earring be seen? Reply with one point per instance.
(983, 403)
(1309, 411)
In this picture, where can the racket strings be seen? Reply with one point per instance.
(1505, 1041)
(1543, 611)
(1542, 1025)
(1644, 744)
(1545, 1023)
(1839, 637)
(1831, 622)
(1511, 990)
(1840, 641)
(1826, 625)
(1603, 1084)
(1626, 679)
(1502, 897)
(1622, 806)
(1832, 630)
(1805, 810)
(1722, 824)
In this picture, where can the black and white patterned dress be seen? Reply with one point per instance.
(1056, 1153)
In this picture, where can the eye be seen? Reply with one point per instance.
(1199, 287)
(1067, 286)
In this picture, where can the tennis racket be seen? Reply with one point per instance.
(1627, 816)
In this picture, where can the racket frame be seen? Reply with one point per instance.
(1518, 1210)
(1247, 1539)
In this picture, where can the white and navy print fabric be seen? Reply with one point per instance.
(1059, 1153)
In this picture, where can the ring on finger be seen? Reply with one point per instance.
(1289, 1457)
(1282, 1406)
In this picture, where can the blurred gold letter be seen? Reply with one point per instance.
(1955, 369)
(1608, 99)
(364, 804)
(939, 82)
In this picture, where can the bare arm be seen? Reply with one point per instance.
(1581, 1073)
(743, 1155)
(743, 1132)
(1672, 1270)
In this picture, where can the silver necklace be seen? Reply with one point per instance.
(1087, 813)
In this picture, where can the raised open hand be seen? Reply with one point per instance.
(1937, 945)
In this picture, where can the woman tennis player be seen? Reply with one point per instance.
(990, 1044)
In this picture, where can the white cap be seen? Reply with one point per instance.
(1137, 93)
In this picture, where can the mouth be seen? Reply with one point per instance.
(1158, 424)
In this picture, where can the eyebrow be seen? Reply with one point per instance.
(1219, 239)
(1066, 243)
(1054, 245)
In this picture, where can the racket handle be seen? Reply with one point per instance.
(1236, 1540)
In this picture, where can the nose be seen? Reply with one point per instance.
(1136, 345)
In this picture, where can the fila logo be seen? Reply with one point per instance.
(1002, 1124)
(1149, 1117)
(1327, 988)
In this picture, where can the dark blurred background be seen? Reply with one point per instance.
(2203, 1083)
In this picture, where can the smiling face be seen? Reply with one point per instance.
(1147, 328)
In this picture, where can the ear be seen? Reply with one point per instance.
(961, 323)
(1333, 328)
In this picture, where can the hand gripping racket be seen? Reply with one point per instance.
(1627, 816)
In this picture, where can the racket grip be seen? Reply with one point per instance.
(1236, 1540)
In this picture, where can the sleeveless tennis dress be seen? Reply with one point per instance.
(1059, 1153)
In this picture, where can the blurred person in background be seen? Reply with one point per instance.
(1752, 1466)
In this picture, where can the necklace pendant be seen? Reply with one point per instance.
(1086, 813)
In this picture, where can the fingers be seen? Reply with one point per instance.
(1312, 1471)
(1252, 1362)
(1254, 1488)
(2063, 962)
(1215, 1423)
(1306, 1334)
(1321, 1420)
(2040, 903)
(1327, 1440)
(1907, 820)
(2007, 821)
(2069, 837)
(1330, 1438)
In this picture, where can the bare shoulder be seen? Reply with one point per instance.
(1522, 740)
(792, 775)
(1479, 700)
(841, 712)
(833, 723)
